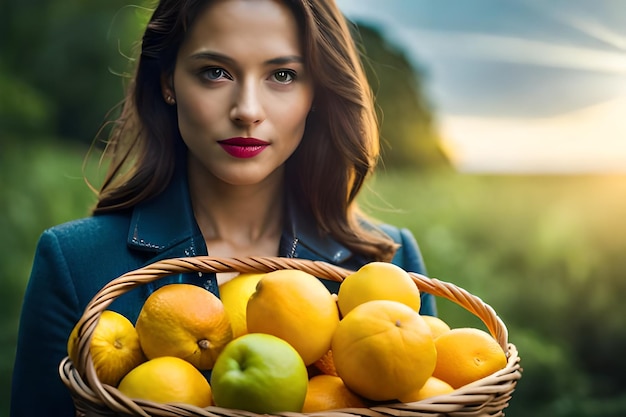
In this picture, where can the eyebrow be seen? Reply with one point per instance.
(214, 56)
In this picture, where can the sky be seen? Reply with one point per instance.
(517, 86)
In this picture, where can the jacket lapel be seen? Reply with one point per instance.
(166, 225)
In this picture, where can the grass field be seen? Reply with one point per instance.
(546, 252)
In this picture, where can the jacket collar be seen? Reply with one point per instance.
(165, 225)
(166, 221)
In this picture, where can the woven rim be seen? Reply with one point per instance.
(485, 397)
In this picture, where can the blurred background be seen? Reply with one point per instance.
(504, 152)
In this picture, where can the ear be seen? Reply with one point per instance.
(167, 88)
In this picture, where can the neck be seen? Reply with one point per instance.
(242, 220)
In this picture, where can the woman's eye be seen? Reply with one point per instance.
(215, 73)
(284, 76)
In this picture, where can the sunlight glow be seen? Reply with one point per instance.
(592, 140)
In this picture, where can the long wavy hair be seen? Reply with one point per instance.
(338, 151)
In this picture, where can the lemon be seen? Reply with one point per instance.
(437, 325)
(432, 387)
(378, 281)
(328, 392)
(114, 347)
(167, 380)
(235, 294)
(296, 307)
(466, 355)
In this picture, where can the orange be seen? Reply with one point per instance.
(234, 295)
(437, 325)
(377, 281)
(466, 355)
(383, 349)
(185, 321)
(326, 364)
(432, 387)
(167, 380)
(114, 347)
(328, 392)
(296, 307)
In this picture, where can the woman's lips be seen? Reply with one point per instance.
(243, 147)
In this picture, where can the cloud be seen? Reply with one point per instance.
(482, 46)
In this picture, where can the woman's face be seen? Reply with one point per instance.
(242, 92)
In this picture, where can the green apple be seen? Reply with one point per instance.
(260, 373)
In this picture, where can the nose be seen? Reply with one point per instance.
(247, 109)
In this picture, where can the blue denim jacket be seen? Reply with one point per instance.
(75, 260)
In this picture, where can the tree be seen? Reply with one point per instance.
(408, 134)
(61, 65)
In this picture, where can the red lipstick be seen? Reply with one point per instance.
(243, 147)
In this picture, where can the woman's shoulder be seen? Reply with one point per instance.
(92, 228)
(408, 254)
(409, 257)
(400, 235)
(85, 253)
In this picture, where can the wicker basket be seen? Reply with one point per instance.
(486, 397)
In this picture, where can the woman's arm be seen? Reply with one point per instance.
(49, 312)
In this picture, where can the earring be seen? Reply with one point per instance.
(170, 100)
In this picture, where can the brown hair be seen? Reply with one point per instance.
(337, 153)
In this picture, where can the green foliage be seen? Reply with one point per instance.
(72, 54)
(41, 184)
(409, 137)
(23, 108)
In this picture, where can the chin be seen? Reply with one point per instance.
(251, 177)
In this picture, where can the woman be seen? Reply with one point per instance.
(248, 129)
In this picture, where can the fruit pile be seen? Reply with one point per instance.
(280, 342)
